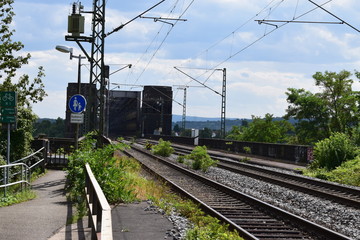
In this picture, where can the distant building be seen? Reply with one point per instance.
(157, 110)
(124, 113)
(127, 114)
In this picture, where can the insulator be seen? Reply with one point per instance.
(74, 8)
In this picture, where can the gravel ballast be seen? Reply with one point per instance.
(339, 218)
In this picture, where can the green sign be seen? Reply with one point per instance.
(8, 99)
(8, 118)
(8, 111)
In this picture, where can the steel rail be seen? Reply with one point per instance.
(342, 194)
(298, 221)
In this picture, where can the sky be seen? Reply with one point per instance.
(262, 60)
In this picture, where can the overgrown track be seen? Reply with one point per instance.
(252, 218)
(327, 190)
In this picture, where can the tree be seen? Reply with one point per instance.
(28, 91)
(205, 133)
(263, 130)
(266, 130)
(311, 112)
(51, 128)
(234, 133)
(333, 109)
(340, 100)
(176, 128)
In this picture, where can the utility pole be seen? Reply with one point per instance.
(184, 87)
(95, 117)
(184, 111)
(97, 70)
(223, 105)
(222, 94)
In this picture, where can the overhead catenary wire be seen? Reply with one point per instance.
(164, 39)
(256, 40)
(133, 19)
(269, 5)
(321, 6)
(296, 8)
(265, 35)
(197, 81)
(234, 31)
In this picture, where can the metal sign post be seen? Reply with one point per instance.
(8, 101)
(77, 104)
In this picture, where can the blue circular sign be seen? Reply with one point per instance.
(77, 103)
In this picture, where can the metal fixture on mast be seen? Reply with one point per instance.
(223, 96)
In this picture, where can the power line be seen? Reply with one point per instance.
(266, 34)
(236, 29)
(320, 6)
(197, 81)
(133, 19)
(163, 41)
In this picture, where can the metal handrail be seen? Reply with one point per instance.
(25, 171)
(99, 208)
(31, 155)
(24, 178)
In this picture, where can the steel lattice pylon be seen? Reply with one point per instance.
(223, 105)
(97, 77)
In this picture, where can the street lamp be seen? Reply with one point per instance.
(65, 49)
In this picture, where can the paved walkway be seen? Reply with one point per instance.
(40, 218)
(46, 216)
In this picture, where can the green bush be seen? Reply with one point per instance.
(163, 148)
(347, 173)
(247, 150)
(181, 159)
(107, 169)
(201, 159)
(333, 151)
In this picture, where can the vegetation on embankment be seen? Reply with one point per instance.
(15, 194)
(337, 159)
(17, 197)
(121, 180)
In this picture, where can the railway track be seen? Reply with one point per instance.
(327, 190)
(252, 218)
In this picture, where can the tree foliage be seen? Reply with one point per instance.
(333, 109)
(262, 130)
(107, 169)
(51, 128)
(29, 91)
(333, 151)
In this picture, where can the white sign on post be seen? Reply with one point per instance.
(77, 118)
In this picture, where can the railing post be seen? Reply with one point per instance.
(97, 206)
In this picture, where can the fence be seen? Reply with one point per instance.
(58, 150)
(99, 208)
(293, 153)
(19, 171)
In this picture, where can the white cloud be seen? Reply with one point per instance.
(257, 78)
(53, 106)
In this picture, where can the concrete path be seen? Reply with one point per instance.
(40, 218)
(45, 217)
(132, 222)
